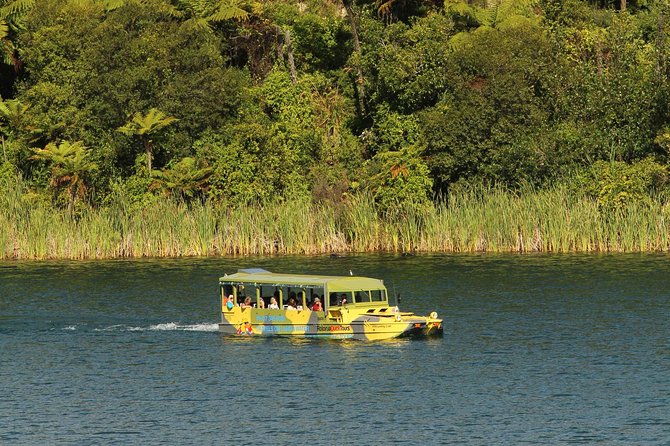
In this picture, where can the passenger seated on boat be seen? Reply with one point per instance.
(247, 303)
(261, 303)
(230, 303)
(273, 304)
(316, 306)
(343, 299)
(333, 299)
(291, 304)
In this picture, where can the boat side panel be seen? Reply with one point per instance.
(266, 322)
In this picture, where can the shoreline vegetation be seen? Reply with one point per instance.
(165, 128)
(546, 220)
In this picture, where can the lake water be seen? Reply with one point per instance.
(536, 349)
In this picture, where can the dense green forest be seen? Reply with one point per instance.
(196, 127)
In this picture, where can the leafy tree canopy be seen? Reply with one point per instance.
(247, 100)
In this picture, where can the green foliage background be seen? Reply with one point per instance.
(275, 103)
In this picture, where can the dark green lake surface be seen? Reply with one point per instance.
(536, 349)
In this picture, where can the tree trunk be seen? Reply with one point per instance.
(622, 5)
(289, 56)
(360, 82)
(147, 147)
(660, 44)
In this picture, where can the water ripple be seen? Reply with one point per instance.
(541, 350)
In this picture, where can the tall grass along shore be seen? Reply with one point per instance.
(494, 221)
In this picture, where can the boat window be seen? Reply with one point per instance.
(332, 300)
(312, 294)
(291, 292)
(362, 296)
(227, 289)
(241, 294)
(246, 290)
(378, 295)
(268, 292)
(336, 298)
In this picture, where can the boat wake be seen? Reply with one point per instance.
(169, 326)
(173, 326)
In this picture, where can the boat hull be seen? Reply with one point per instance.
(317, 324)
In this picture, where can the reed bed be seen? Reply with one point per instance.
(478, 221)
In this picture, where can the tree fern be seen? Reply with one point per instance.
(185, 179)
(145, 126)
(12, 111)
(10, 14)
(70, 164)
(202, 13)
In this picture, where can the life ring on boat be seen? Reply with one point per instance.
(398, 317)
(433, 315)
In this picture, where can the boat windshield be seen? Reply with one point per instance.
(358, 297)
(378, 295)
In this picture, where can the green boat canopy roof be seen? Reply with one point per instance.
(260, 276)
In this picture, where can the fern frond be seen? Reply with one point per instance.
(228, 10)
(197, 24)
(258, 8)
(111, 5)
(15, 7)
(8, 52)
(488, 16)
(169, 10)
(148, 124)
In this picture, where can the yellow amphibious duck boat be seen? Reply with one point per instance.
(259, 302)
